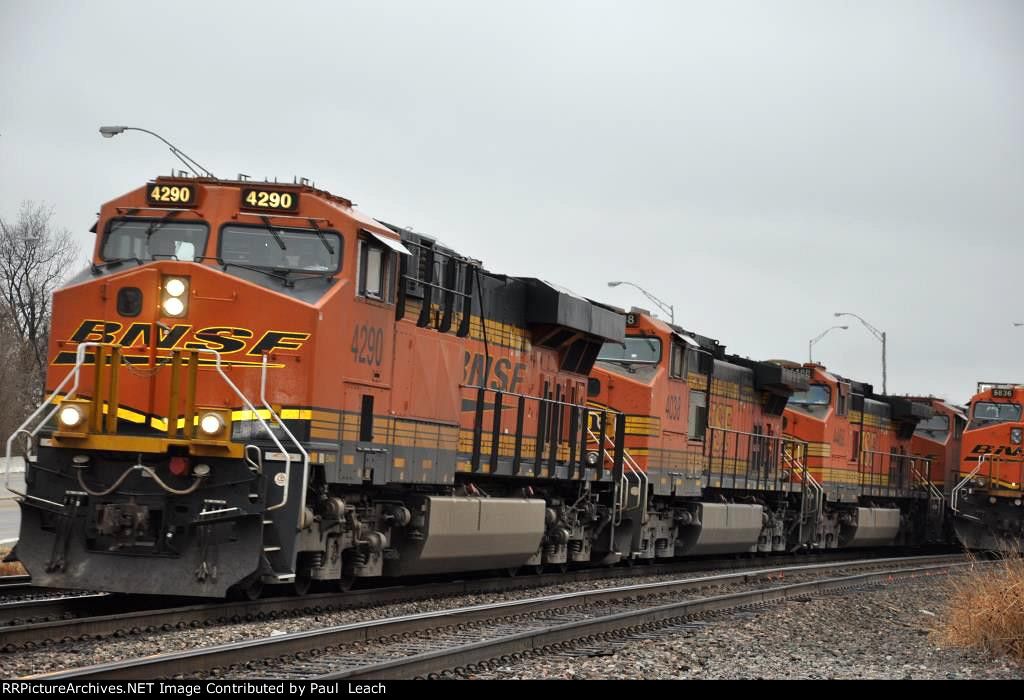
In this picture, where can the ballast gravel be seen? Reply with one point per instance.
(883, 632)
(72, 654)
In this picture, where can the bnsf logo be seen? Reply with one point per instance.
(1007, 450)
(224, 339)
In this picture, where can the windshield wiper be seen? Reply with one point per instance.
(275, 234)
(96, 267)
(157, 223)
(322, 237)
(284, 280)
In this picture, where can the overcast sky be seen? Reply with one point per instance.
(759, 165)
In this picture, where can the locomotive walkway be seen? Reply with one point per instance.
(426, 643)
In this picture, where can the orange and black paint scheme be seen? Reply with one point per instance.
(706, 428)
(256, 383)
(939, 439)
(860, 453)
(988, 492)
(228, 329)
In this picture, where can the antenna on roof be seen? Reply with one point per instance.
(242, 177)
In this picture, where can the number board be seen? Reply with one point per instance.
(269, 200)
(163, 195)
(1002, 393)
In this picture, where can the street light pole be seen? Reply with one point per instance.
(810, 343)
(880, 335)
(109, 132)
(667, 308)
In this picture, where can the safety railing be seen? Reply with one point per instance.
(891, 474)
(954, 495)
(631, 469)
(739, 460)
(561, 434)
(107, 355)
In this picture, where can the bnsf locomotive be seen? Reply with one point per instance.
(989, 490)
(256, 383)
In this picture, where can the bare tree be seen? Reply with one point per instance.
(17, 373)
(34, 259)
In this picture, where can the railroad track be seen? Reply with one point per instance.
(13, 584)
(428, 643)
(32, 623)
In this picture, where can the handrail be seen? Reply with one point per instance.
(928, 484)
(641, 477)
(806, 478)
(288, 460)
(877, 469)
(955, 493)
(75, 373)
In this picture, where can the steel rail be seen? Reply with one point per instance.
(190, 661)
(14, 582)
(24, 623)
(569, 634)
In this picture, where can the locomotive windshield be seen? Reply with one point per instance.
(297, 250)
(934, 427)
(155, 239)
(636, 350)
(986, 412)
(815, 395)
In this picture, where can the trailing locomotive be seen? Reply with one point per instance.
(988, 493)
(706, 430)
(257, 384)
(876, 488)
(939, 439)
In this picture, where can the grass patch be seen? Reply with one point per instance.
(986, 609)
(13, 568)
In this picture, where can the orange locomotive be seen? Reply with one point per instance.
(876, 489)
(987, 496)
(939, 438)
(706, 428)
(256, 383)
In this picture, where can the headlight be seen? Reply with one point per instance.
(70, 416)
(174, 306)
(211, 424)
(592, 458)
(174, 296)
(1016, 434)
(175, 287)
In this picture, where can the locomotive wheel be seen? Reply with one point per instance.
(300, 586)
(250, 589)
(347, 579)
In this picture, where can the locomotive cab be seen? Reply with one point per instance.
(860, 453)
(987, 496)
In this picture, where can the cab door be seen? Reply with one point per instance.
(369, 427)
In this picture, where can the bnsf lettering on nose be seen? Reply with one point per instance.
(224, 339)
(1005, 450)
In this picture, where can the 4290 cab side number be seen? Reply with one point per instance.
(368, 345)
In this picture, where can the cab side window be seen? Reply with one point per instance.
(376, 272)
(677, 362)
(843, 391)
(697, 418)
